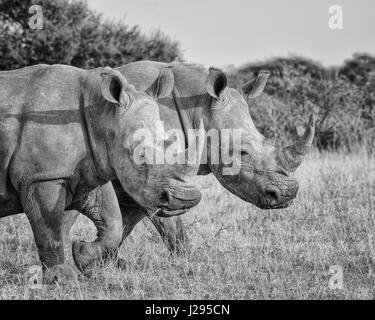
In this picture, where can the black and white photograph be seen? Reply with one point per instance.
(173, 151)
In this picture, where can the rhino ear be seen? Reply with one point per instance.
(113, 84)
(255, 87)
(163, 86)
(216, 82)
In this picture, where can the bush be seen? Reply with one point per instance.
(298, 87)
(74, 34)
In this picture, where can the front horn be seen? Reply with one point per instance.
(189, 160)
(291, 157)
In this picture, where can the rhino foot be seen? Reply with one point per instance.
(84, 256)
(60, 273)
(88, 256)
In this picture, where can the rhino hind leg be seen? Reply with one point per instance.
(102, 208)
(44, 204)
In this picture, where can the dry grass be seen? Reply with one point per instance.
(239, 251)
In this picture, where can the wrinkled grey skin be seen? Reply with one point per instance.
(64, 134)
(265, 178)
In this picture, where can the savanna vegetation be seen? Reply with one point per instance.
(238, 251)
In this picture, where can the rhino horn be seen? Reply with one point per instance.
(255, 87)
(189, 159)
(291, 157)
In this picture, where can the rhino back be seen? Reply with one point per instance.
(189, 78)
(142, 74)
(189, 83)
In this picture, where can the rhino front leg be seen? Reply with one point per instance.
(173, 234)
(70, 218)
(100, 206)
(44, 204)
(170, 229)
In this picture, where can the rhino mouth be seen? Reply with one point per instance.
(166, 213)
(275, 206)
(176, 200)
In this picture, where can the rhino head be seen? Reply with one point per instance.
(121, 113)
(265, 176)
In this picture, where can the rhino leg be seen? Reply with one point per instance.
(70, 218)
(170, 229)
(131, 211)
(173, 234)
(44, 204)
(86, 254)
(130, 217)
(7, 145)
(101, 207)
(3, 179)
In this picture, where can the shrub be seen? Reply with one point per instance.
(74, 34)
(298, 87)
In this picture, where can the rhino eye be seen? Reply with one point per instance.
(282, 172)
(245, 156)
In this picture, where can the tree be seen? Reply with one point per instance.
(360, 69)
(76, 35)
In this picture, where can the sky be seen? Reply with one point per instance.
(234, 32)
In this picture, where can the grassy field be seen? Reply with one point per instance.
(238, 251)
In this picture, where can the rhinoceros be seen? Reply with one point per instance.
(64, 134)
(265, 178)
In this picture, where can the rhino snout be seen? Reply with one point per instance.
(276, 197)
(179, 198)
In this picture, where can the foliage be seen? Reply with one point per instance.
(298, 87)
(76, 35)
(359, 70)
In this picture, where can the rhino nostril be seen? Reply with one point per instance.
(164, 198)
(273, 194)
